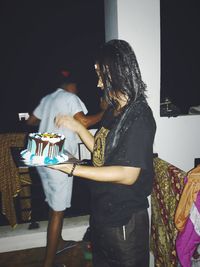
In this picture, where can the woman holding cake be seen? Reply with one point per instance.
(122, 172)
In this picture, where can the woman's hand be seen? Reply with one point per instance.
(68, 122)
(67, 168)
(75, 126)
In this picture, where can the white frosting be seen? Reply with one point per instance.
(40, 160)
(46, 137)
(51, 140)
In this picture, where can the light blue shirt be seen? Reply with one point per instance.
(60, 102)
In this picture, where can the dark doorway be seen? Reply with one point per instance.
(180, 53)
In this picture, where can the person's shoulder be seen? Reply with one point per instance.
(73, 97)
(147, 119)
(61, 94)
(144, 118)
(66, 93)
(149, 113)
(45, 98)
(50, 94)
(67, 98)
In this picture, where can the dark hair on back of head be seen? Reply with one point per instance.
(64, 77)
(120, 71)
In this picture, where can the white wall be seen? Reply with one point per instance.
(138, 22)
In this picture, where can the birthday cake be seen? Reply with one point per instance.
(44, 149)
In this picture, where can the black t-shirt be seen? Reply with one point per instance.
(113, 204)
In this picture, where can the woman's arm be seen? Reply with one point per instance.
(115, 174)
(77, 127)
(88, 120)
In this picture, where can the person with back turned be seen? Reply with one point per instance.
(57, 185)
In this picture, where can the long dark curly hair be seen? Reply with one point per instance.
(119, 71)
(120, 74)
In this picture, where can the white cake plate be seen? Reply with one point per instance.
(21, 163)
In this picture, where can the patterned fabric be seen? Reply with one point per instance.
(11, 180)
(167, 189)
(187, 219)
(189, 195)
(189, 239)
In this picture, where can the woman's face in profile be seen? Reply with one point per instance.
(100, 82)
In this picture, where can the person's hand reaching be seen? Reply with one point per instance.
(77, 127)
(68, 122)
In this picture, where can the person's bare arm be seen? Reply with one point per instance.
(33, 120)
(88, 120)
(115, 174)
(77, 127)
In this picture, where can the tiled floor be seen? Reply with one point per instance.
(79, 256)
(22, 238)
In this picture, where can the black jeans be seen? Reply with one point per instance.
(124, 246)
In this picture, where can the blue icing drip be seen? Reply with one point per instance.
(32, 156)
(47, 160)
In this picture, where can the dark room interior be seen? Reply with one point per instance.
(38, 39)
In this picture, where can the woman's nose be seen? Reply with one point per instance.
(100, 84)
